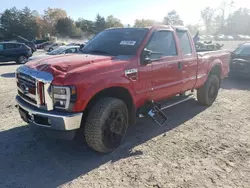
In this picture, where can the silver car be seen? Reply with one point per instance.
(58, 51)
(52, 47)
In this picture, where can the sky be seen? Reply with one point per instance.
(126, 10)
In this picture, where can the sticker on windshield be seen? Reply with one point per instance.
(128, 42)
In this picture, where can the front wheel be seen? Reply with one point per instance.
(106, 125)
(207, 94)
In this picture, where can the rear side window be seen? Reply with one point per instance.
(12, 46)
(71, 50)
(18, 45)
(184, 42)
(163, 41)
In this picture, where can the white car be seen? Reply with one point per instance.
(229, 37)
(58, 51)
(247, 37)
(53, 46)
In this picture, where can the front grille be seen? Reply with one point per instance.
(33, 87)
(26, 78)
(30, 85)
(25, 97)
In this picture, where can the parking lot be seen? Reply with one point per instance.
(199, 147)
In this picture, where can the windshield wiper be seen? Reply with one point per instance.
(97, 52)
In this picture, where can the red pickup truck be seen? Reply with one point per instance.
(120, 74)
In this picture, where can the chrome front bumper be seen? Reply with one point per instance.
(50, 119)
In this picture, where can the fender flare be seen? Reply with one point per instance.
(101, 85)
(215, 63)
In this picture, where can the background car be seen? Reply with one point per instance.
(42, 45)
(53, 46)
(13, 51)
(240, 61)
(58, 51)
(220, 37)
(73, 44)
(229, 37)
(31, 45)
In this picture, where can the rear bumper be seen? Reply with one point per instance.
(48, 119)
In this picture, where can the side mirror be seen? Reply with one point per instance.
(147, 61)
(146, 56)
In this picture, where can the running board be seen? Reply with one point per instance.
(155, 109)
(176, 100)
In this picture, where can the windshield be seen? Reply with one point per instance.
(57, 51)
(243, 50)
(116, 42)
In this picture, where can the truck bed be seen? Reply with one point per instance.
(206, 60)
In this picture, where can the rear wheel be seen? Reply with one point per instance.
(21, 59)
(106, 125)
(207, 94)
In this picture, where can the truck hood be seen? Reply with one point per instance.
(61, 66)
(66, 63)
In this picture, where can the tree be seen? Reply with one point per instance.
(111, 21)
(66, 28)
(239, 22)
(207, 16)
(18, 22)
(100, 23)
(28, 24)
(10, 22)
(220, 19)
(86, 26)
(193, 28)
(172, 18)
(51, 16)
(144, 23)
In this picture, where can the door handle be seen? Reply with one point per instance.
(180, 65)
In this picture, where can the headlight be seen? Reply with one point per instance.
(64, 97)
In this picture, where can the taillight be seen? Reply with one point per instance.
(40, 91)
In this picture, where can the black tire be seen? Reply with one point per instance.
(106, 125)
(22, 59)
(50, 49)
(207, 94)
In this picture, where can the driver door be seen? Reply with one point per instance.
(166, 76)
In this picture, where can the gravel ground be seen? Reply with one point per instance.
(199, 147)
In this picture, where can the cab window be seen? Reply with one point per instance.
(163, 42)
(184, 42)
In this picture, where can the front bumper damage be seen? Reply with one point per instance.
(54, 120)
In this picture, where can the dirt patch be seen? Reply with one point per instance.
(199, 147)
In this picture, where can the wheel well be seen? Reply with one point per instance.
(114, 92)
(216, 70)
